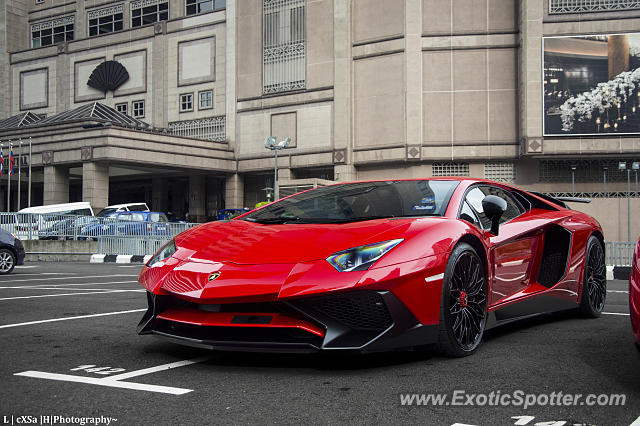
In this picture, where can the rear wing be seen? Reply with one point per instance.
(560, 201)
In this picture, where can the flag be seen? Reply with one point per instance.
(11, 159)
(1, 162)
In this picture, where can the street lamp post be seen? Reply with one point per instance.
(636, 166)
(270, 143)
(622, 165)
(573, 180)
(604, 179)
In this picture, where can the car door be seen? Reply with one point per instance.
(512, 251)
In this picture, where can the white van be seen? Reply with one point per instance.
(128, 207)
(41, 218)
(81, 208)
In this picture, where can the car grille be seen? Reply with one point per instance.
(357, 310)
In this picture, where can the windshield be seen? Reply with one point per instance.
(360, 201)
(105, 212)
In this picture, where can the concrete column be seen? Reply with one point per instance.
(413, 70)
(196, 198)
(342, 114)
(56, 185)
(529, 69)
(95, 184)
(284, 174)
(159, 195)
(618, 49)
(234, 192)
(345, 173)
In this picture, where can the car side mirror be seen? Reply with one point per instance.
(493, 207)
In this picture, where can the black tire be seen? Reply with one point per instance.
(7, 261)
(594, 281)
(463, 307)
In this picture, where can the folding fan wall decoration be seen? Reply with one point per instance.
(109, 75)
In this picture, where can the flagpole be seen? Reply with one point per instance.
(19, 172)
(9, 180)
(29, 186)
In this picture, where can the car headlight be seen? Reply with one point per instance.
(361, 258)
(164, 253)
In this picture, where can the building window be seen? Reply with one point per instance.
(145, 12)
(205, 99)
(138, 109)
(500, 172)
(52, 32)
(284, 45)
(105, 20)
(122, 107)
(582, 6)
(200, 6)
(186, 102)
(450, 168)
(39, 1)
(208, 129)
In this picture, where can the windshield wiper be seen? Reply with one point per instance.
(271, 220)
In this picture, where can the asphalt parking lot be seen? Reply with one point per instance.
(69, 349)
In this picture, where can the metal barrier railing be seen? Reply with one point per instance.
(619, 253)
(113, 236)
(145, 238)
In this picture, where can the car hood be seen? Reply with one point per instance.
(249, 243)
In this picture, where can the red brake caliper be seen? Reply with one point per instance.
(463, 300)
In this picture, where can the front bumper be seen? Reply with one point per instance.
(365, 321)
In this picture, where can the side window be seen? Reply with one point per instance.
(476, 195)
(138, 217)
(513, 209)
(124, 216)
(154, 217)
(467, 213)
(474, 199)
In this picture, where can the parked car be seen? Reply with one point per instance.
(372, 266)
(227, 214)
(634, 294)
(128, 207)
(11, 252)
(68, 228)
(128, 223)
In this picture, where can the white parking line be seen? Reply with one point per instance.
(618, 291)
(71, 318)
(116, 381)
(163, 367)
(37, 286)
(42, 273)
(70, 288)
(104, 382)
(615, 313)
(71, 278)
(69, 294)
(636, 422)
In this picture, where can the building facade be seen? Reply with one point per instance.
(539, 93)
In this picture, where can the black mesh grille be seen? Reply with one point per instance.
(362, 310)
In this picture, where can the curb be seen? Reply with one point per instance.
(118, 258)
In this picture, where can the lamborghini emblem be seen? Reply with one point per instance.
(213, 276)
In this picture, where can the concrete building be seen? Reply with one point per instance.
(365, 89)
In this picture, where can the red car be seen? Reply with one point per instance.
(373, 266)
(634, 294)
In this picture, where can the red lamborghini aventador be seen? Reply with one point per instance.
(373, 266)
(634, 294)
